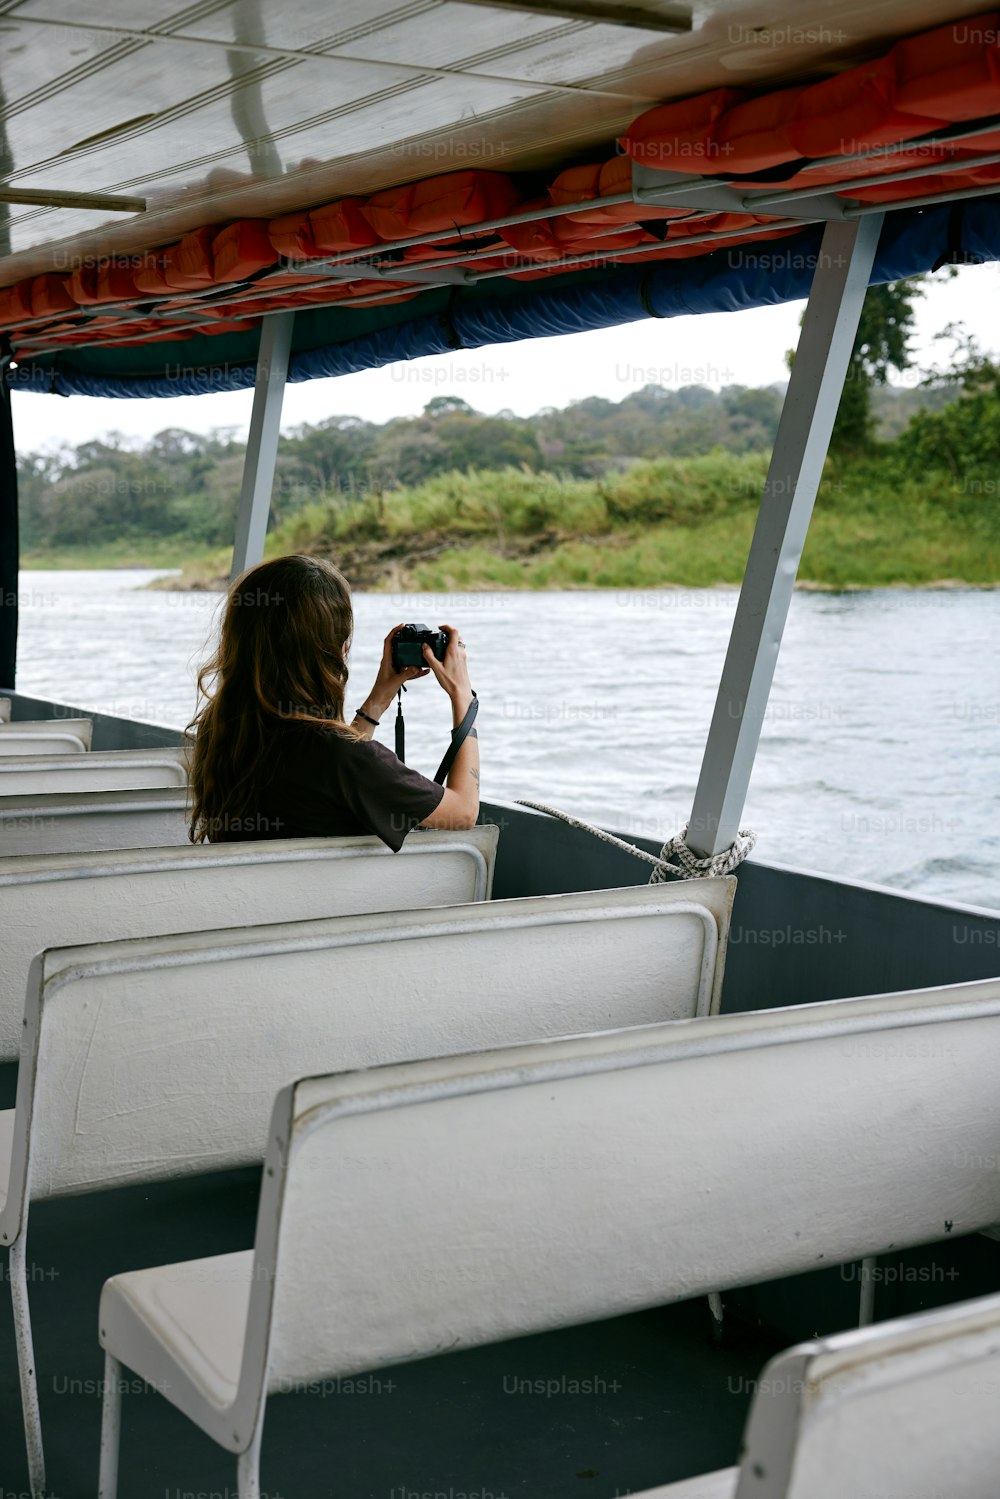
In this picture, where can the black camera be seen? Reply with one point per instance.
(408, 645)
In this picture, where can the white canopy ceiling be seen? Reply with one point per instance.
(238, 108)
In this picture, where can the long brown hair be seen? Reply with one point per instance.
(281, 658)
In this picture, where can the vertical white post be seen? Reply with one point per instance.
(807, 416)
(262, 444)
(248, 1465)
(111, 1422)
(18, 1264)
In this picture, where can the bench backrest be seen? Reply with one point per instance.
(466, 1200)
(46, 736)
(82, 821)
(161, 1057)
(907, 1408)
(107, 770)
(54, 900)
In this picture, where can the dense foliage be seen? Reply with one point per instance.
(184, 487)
(660, 521)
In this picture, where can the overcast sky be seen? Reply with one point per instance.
(744, 348)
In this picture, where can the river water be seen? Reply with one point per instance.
(879, 757)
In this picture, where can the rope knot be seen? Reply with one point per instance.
(690, 867)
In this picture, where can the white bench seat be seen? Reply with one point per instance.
(202, 1306)
(53, 900)
(158, 1057)
(87, 821)
(443, 1204)
(46, 736)
(900, 1410)
(107, 770)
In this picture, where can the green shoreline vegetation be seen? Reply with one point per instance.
(673, 522)
(580, 497)
(681, 523)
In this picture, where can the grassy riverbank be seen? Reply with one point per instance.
(148, 551)
(685, 522)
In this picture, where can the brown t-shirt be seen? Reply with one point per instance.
(327, 785)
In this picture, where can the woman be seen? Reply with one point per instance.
(274, 756)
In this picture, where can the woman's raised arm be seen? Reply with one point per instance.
(459, 807)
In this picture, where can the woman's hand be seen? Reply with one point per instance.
(453, 672)
(459, 807)
(389, 680)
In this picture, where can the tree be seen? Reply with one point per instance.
(444, 405)
(451, 437)
(881, 345)
(753, 416)
(964, 437)
(331, 459)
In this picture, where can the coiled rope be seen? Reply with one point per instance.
(688, 866)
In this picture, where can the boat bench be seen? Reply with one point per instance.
(438, 1205)
(158, 1057)
(53, 900)
(85, 821)
(904, 1409)
(28, 774)
(46, 736)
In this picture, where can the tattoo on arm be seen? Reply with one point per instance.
(475, 776)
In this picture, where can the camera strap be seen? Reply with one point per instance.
(459, 734)
(400, 727)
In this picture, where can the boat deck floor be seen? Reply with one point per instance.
(585, 1413)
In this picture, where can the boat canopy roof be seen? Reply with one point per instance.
(416, 178)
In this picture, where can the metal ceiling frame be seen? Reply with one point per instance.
(53, 198)
(629, 16)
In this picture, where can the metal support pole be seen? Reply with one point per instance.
(262, 444)
(807, 416)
